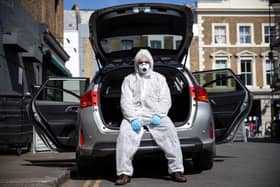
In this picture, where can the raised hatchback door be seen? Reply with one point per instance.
(230, 100)
(118, 32)
(54, 111)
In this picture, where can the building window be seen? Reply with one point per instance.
(56, 2)
(246, 71)
(105, 46)
(245, 34)
(177, 44)
(156, 44)
(126, 44)
(269, 71)
(220, 36)
(220, 63)
(269, 34)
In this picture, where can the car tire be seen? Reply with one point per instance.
(83, 165)
(203, 160)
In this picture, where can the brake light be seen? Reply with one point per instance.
(81, 138)
(89, 99)
(199, 94)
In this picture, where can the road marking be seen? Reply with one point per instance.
(97, 183)
(87, 183)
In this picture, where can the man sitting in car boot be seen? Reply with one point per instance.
(145, 101)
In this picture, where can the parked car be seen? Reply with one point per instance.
(207, 107)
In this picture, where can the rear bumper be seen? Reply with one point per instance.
(188, 145)
(100, 141)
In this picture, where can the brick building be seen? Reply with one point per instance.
(236, 34)
(49, 12)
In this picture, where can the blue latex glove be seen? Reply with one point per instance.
(136, 125)
(155, 120)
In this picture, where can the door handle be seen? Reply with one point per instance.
(72, 109)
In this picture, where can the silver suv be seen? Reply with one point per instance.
(71, 114)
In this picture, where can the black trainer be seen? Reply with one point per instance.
(178, 177)
(123, 179)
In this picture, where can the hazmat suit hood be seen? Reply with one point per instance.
(143, 53)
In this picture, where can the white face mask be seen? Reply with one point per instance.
(143, 68)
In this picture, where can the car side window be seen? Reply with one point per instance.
(62, 91)
(218, 81)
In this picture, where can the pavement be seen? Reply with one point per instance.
(41, 169)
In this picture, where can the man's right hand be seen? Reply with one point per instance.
(136, 125)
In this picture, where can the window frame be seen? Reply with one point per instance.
(263, 32)
(156, 38)
(221, 55)
(175, 40)
(252, 70)
(226, 59)
(159, 42)
(220, 59)
(266, 72)
(251, 33)
(265, 56)
(226, 25)
(125, 42)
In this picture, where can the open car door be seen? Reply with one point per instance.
(231, 101)
(54, 112)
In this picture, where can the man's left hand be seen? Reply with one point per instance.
(155, 120)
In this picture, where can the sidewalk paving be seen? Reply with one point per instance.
(43, 169)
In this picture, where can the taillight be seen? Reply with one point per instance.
(81, 138)
(199, 94)
(89, 99)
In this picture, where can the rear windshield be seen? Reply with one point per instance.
(154, 41)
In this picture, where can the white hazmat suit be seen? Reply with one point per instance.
(142, 97)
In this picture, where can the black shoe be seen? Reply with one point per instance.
(123, 179)
(178, 177)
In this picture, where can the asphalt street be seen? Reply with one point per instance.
(237, 164)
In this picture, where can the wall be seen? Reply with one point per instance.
(49, 12)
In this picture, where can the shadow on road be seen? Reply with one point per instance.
(143, 168)
(105, 168)
(68, 163)
(264, 140)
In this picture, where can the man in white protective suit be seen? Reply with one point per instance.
(145, 101)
